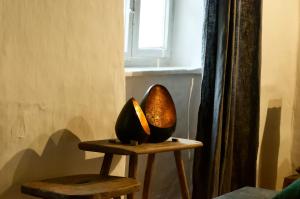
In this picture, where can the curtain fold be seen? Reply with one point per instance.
(228, 118)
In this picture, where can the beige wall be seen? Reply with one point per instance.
(61, 81)
(280, 51)
(296, 137)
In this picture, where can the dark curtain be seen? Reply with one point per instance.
(228, 119)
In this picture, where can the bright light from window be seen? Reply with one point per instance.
(152, 23)
(126, 23)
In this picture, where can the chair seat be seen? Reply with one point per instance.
(87, 186)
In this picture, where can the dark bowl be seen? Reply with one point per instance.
(160, 112)
(132, 124)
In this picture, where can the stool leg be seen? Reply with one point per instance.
(133, 160)
(148, 175)
(181, 174)
(106, 164)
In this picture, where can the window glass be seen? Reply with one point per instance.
(126, 23)
(152, 24)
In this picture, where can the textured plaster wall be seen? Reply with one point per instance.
(187, 33)
(296, 137)
(280, 57)
(61, 81)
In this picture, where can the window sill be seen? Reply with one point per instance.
(168, 70)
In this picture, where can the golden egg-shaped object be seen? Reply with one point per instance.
(132, 124)
(160, 112)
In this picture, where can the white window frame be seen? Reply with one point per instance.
(151, 56)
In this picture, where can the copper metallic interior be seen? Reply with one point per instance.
(160, 109)
(141, 116)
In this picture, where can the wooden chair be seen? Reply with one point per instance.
(87, 186)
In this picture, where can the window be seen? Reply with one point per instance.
(164, 33)
(147, 30)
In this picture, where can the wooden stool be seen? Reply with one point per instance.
(111, 147)
(88, 186)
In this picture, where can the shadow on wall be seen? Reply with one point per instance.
(60, 157)
(268, 159)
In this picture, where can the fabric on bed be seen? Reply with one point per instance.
(249, 193)
(290, 192)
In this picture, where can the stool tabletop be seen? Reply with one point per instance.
(115, 147)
